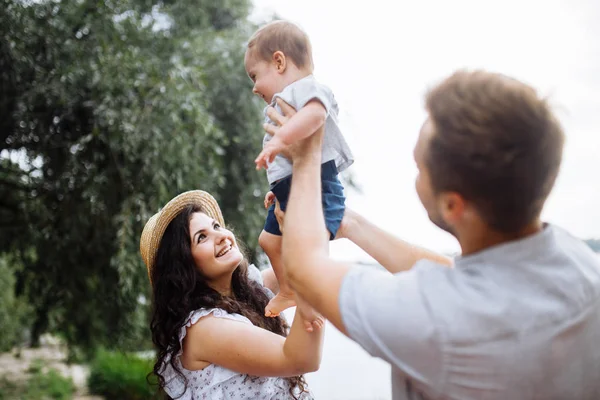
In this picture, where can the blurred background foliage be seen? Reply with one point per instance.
(108, 109)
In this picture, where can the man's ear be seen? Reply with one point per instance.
(452, 207)
(280, 61)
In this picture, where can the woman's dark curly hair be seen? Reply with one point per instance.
(179, 288)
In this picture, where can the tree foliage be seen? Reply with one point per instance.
(14, 312)
(109, 109)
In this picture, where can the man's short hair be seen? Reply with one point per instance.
(495, 142)
(282, 36)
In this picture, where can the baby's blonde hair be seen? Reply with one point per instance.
(282, 36)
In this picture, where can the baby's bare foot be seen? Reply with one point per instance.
(281, 301)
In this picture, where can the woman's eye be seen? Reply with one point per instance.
(216, 226)
(201, 237)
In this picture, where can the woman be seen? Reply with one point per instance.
(213, 339)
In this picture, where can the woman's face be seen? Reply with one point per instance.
(214, 250)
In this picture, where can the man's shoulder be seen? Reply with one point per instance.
(568, 242)
(522, 286)
(562, 251)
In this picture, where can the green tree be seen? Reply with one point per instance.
(109, 110)
(14, 311)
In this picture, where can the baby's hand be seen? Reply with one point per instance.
(271, 149)
(269, 199)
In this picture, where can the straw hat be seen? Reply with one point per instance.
(156, 226)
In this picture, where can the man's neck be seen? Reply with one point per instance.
(481, 239)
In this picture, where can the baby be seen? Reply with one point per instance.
(279, 62)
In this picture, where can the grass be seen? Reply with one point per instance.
(116, 375)
(48, 385)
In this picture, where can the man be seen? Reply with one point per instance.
(518, 316)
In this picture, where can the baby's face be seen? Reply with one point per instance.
(267, 80)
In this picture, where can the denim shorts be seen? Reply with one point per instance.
(332, 198)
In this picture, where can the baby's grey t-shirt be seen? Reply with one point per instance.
(520, 320)
(298, 94)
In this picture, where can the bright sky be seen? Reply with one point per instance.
(380, 56)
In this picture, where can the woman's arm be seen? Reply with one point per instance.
(392, 253)
(248, 349)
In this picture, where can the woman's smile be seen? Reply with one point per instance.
(225, 250)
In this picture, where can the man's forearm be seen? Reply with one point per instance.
(304, 216)
(310, 271)
(304, 242)
(392, 253)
